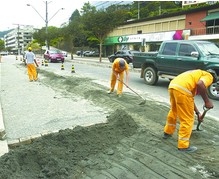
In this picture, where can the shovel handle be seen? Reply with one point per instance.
(202, 117)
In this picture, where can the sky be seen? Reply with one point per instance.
(15, 12)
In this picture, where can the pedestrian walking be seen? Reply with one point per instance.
(30, 61)
(182, 90)
(119, 66)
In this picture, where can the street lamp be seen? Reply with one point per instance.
(45, 20)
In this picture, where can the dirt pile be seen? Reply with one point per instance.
(59, 155)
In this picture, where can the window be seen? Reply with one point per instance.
(186, 49)
(169, 49)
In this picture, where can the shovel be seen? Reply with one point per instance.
(144, 100)
(202, 117)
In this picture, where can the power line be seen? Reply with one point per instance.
(105, 4)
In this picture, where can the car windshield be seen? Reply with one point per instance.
(209, 48)
(54, 52)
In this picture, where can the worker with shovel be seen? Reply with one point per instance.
(119, 66)
(182, 90)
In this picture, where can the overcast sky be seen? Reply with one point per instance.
(17, 12)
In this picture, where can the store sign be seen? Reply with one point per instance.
(152, 37)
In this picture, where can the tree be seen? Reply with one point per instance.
(87, 9)
(2, 45)
(98, 24)
(73, 33)
(75, 16)
(53, 37)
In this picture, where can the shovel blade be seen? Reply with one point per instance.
(195, 128)
(143, 102)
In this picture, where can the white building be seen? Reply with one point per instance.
(17, 40)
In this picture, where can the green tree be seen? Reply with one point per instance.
(53, 37)
(98, 24)
(74, 33)
(87, 9)
(2, 45)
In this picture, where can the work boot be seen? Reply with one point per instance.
(110, 92)
(189, 149)
(119, 95)
(166, 136)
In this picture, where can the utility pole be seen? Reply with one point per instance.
(46, 20)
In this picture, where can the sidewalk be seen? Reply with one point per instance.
(32, 109)
(3, 141)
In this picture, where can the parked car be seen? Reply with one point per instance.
(85, 53)
(126, 54)
(78, 53)
(3, 53)
(65, 53)
(92, 54)
(54, 56)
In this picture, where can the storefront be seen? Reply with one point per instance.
(143, 42)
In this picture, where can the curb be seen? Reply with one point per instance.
(3, 141)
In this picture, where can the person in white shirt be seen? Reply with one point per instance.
(30, 61)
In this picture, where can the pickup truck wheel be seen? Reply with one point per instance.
(213, 91)
(150, 76)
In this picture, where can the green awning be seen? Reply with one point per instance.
(211, 16)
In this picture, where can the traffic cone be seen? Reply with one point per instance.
(42, 62)
(46, 63)
(73, 69)
(62, 66)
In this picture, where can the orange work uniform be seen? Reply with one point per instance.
(182, 90)
(116, 70)
(31, 68)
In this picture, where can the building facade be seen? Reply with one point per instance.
(17, 40)
(147, 34)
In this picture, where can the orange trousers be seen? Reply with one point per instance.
(32, 73)
(182, 107)
(113, 82)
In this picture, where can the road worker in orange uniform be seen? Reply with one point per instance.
(182, 90)
(30, 59)
(119, 66)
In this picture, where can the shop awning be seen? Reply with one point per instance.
(211, 16)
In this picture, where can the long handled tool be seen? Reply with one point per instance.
(202, 117)
(144, 100)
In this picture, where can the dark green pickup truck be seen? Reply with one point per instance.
(177, 56)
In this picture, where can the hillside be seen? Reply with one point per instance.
(2, 33)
